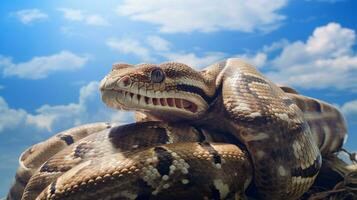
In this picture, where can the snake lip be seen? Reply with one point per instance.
(157, 102)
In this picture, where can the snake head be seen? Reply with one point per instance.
(167, 91)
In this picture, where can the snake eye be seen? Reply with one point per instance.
(157, 75)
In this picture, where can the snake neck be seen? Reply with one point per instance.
(215, 117)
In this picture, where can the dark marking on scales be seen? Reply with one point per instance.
(67, 139)
(165, 160)
(310, 171)
(215, 155)
(52, 188)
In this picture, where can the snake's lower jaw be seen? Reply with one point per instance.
(107, 97)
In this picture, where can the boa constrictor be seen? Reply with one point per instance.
(232, 96)
(174, 92)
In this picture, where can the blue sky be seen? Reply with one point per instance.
(53, 53)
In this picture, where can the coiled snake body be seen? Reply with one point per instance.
(283, 135)
(119, 154)
(248, 105)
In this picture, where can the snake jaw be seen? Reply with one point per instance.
(161, 99)
(166, 103)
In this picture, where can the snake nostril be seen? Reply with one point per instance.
(124, 82)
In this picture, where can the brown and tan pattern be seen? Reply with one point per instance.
(221, 127)
(266, 119)
(122, 141)
(157, 173)
(32, 158)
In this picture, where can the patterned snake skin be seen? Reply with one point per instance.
(114, 146)
(31, 159)
(221, 123)
(273, 128)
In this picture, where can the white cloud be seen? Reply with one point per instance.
(194, 60)
(41, 121)
(280, 44)
(80, 16)
(72, 14)
(349, 108)
(72, 31)
(259, 59)
(42, 66)
(10, 118)
(28, 16)
(96, 20)
(332, 40)
(326, 59)
(205, 16)
(89, 108)
(158, 43)
(130, 46)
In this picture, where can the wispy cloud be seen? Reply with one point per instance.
(72, 31)
(29, 16)
(48, 118)
(130, 46)
(96, 20)
(278, 45)
(157, 43)
(72, 14)
(205, 16)
(89, 108)
(10, 117)
(349, 110)
(80, 16)
(40, 67)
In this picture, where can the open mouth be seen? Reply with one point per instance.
(176, 103)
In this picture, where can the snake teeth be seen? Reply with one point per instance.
(177, 103)
(155, 101)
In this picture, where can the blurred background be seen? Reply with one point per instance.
(54, 53)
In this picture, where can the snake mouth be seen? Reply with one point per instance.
(129, 99)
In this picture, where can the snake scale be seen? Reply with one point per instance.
(220, 128)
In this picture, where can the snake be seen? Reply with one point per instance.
(265, 117)
(234, 96)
